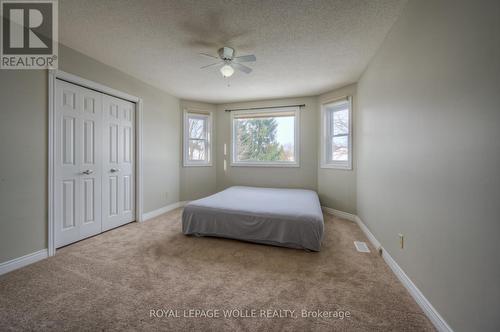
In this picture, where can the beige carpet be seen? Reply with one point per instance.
(112, 281)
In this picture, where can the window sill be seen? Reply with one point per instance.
(345, 167)
(243, 164)
(197, 165)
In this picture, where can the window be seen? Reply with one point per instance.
(197, 138)
(336, 144)
(266, 137)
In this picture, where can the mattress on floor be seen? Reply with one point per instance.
(283, 217)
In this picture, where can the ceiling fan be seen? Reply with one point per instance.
(229, 62)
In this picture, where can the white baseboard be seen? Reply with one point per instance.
(417, 295)
(338, 213)
(368, 234)
(22, 261)
(160, 211)
(28, 259)
(431, 313)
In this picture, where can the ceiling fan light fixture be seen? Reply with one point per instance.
(227, 70)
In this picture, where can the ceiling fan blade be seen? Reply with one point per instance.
(210, 56)
(243, 68)
(212, 64)
(245, 58)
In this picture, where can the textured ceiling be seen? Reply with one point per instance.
(302, 47)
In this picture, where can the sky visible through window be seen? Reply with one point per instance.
(285, 131)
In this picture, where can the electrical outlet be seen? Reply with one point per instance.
(401, 241)
(165, 195)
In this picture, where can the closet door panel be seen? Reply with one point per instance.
(118, 162)
(78, 163)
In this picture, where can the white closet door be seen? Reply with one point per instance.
(118, 162)
(78, 164)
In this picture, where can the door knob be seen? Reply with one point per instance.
(114, 170)
(87, 172)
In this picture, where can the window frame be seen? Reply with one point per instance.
(296, 143)
(208, 115)
(327, 135)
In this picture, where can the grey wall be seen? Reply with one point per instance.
(23, 166)
(200, 181)
(429, 154)
(337, 187)
(304, 176)
(23, 146)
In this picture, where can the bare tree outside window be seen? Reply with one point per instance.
(336, 146)
(197, 139)
(340, 143)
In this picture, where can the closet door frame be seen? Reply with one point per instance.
(54, 74)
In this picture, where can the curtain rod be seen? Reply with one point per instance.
(260, 108)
